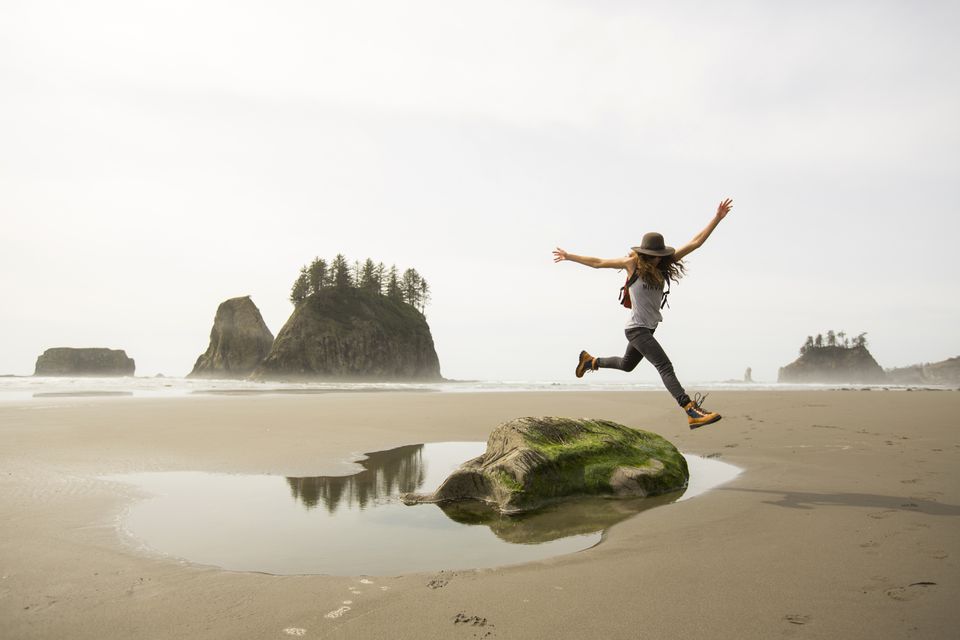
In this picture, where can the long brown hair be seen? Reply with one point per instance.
(668, 269)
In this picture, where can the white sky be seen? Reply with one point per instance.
(157, 158)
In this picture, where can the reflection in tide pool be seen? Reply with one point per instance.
(356, 525)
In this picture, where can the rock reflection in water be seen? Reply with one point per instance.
(553, 522)
(385, 474)
(356, 525)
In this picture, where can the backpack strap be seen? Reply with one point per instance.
(625, 290)
(625, 293)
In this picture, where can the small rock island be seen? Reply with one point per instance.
(367, 325)
(68, 361)
(239, 341)
(530, 462)
(834, 360)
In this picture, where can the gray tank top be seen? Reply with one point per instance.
(646, 300)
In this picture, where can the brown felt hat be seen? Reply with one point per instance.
(652, 245)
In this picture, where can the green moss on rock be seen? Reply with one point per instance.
(585, 455)
(533, 461)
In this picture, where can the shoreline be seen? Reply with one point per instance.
(845, 521)
(27, 388)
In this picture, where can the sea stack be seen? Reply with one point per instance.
(67, 361)
(834, 364)
(342, 333)
(239, 341)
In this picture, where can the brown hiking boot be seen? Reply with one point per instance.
(587, 363)
(697, 416)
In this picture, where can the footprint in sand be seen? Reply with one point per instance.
(482, 625)
(880, 515)
(473, 621)
(797, 618)
(910, 592)
(441, 580)
(336, 613)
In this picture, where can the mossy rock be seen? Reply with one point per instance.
(530, 462)
(574, 516)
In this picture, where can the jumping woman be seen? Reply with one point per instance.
(649, 267)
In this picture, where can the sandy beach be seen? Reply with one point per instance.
(845, 522)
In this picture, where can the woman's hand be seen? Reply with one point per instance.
(701, 237)
(559, 255)
(724, 209)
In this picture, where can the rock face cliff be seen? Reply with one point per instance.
(67, 361)
(352, 334)
(239, 341)
(946, 372)
(834, 365)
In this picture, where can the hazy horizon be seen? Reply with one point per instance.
(158, 159)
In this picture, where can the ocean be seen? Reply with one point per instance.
(21, 388)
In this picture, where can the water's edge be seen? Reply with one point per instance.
(355, 524)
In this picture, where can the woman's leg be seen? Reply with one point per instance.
(643, 342)
(631, 358)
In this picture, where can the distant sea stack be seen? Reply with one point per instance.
(834, 364)
(946, 372)
(67, 361)
(239, 341)
(353, 334)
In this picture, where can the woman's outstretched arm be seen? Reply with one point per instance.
(559, 255)
(701, 237)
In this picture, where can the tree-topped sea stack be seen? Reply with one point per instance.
(364, 324)
(530, 462)
(409, 287)
(67, 361)
(833, 360)
(239, 341)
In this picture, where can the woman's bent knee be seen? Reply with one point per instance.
(665, 367)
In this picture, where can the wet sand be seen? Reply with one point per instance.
(844, 524)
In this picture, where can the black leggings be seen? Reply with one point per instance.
(642, 344)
